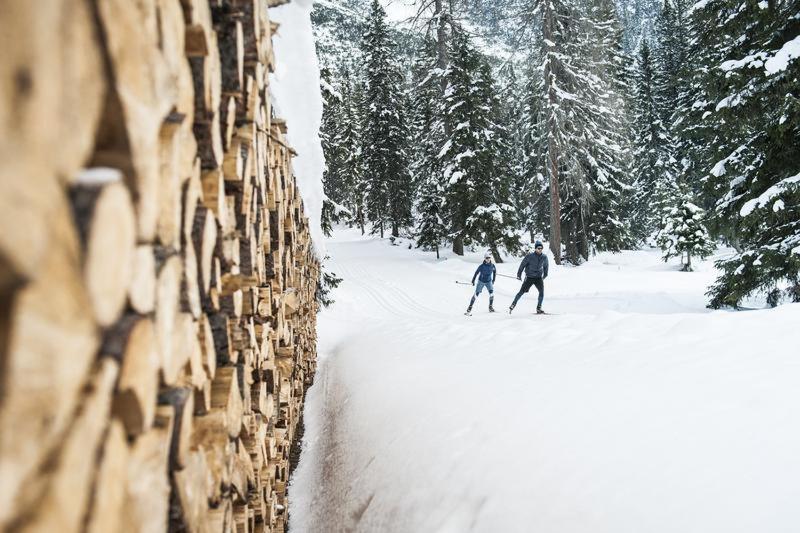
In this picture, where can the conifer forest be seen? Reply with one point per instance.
(593, 125)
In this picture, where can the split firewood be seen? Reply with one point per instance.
(169, 270)
(109, 488)
(182, 401)
(142, 288)
(204, 241)
(68, 478)
(141, 98)
(225, 395)
(51, 315)
(104, 218)
(189, 484)
(147, 486)
(132, 343)
(49, 108)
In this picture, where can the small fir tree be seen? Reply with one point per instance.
(684, 234)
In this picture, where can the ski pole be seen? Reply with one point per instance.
(507, 276)
(463, 283)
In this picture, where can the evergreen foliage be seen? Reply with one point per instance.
(385, 133)
(684, 235)
(754, 154)
(697, 136)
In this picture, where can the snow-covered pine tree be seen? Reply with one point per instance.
(652, 185)
(348, 138)
(607, 137)
(494, 221)
(756, 150)
(332, 178)
(384, 131)
(531, 192)
(428, 130)
(558, 26)
(476, 179)
(684, 233)
(587, 129)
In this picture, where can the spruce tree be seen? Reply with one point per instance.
(754, 157)
(384, 131)
(348, 138)
(332, 177)
(684, 234)
(652, 179)
(532, 195)
(476, 179)
(428, 130)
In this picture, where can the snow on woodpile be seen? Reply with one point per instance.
(297, 98)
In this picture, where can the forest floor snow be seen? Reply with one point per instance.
(632, 409)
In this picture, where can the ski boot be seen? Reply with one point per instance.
(491, 309)
(510, 309)
(539, 311)
(469, 311)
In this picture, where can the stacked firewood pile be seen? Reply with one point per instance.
(157, 278)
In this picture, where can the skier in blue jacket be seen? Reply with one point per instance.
(535, 266)
(486, 274)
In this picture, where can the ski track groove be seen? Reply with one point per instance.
(407, 308)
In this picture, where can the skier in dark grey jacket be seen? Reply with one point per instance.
(535, 266)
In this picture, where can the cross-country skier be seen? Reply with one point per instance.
(535, 267)
(486, 274)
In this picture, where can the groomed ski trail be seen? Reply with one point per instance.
(630, 408)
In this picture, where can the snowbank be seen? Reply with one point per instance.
(295, 87)
(633, 409)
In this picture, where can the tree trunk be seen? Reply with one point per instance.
(437, 251)
(583, 234)
(381, 230)
(572, 253)
(496, 255)
(458, 244)
(395, 230)
(552, 143)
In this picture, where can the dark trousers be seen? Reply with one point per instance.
(526, 286)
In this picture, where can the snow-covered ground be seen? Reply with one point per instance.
(633, 409)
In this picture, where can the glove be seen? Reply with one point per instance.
(473, 283)
(519, 278)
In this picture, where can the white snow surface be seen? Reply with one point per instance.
(295, 86)
(632, 408)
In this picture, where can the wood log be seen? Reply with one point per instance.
(208, 346)
(51, 315)
(190, 300)
(141, 98)
(181, 399)
(50, 104)
(225, 395)
(69, 476)
(184, 343)
(198, 27)
(131, 342)
(204, 241)
(210, 436)
(104, 218)
(142, 289)
(109, 487)
(169, 269)
(214, 194)
(147, 487)
(170, 182)
(189, 485)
